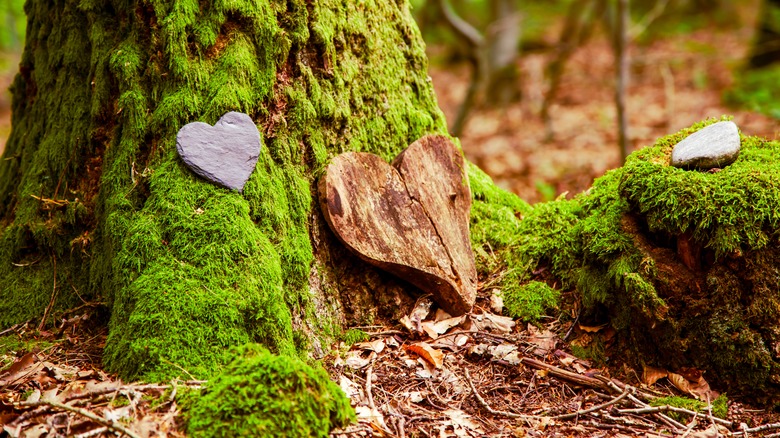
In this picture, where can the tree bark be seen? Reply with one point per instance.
(90, 179)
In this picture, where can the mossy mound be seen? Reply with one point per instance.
(261, 394)
(685, 264)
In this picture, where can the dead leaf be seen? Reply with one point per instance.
(376, 346)
(452, 343)
(425, 351)
(440, 327)
(36, 431)
(491, 322)
(23, 367)
(544, 341)
(592, 329)
(496, 301)
(34, 396)
(350, 388)
(500, 352)
(650, 375)
(462, 420)
(679, 382)
(355, 359)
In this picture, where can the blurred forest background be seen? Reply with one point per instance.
(538, 90)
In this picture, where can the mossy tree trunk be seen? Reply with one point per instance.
(95, 204)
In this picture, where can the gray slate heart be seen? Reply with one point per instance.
(225, 153)
(716, 145)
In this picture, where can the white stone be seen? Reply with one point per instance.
(716, 145)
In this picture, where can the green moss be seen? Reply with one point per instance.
(719, 405)
(499, 223)
(261, 394)
(755, 90)
(353, 336)
(14, 345)
(616, 244)
(188, 268)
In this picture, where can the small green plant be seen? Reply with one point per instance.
(262, 394)
(353, 336)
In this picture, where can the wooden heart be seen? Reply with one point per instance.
(410, 219)
(225, 153)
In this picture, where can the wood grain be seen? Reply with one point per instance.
(410, 219)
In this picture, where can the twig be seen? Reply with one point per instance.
(24, 265)
(668, 408)
(487, 406)
(111, 424)
(566, 375)
(761, 428)
(625, 394)
(669, 422)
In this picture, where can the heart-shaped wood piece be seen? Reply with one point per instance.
(410, 219)
(225, 153)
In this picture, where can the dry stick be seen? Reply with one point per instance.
(691, 425)
(667, 408)
(763, 428)
(566, 375)
(380, 421)
(487, 406)
(111, 424)
(670, 422)
(625, 394)
(53, 294)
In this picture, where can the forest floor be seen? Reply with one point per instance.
(674, 83)
(484, 375)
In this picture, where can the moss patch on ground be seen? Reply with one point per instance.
(261, 394)
(719, 405)
(623, 244)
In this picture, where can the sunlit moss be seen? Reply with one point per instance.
(260, 394)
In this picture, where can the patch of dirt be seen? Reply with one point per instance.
(673, 84)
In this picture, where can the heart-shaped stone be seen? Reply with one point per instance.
(225, 153)
(410, 219)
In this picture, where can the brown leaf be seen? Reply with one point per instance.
(650, 375)
(543, 340)
(701, 390)
(679, 382)
(377, 345)
(21, 368)
(425, 351)
(592, 329)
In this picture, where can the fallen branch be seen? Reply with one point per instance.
(487, 406)
(669, 408)
(625, 394)
(111, 424)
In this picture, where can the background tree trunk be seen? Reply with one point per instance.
(766, 46)
(95, 204)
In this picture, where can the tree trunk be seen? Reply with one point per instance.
(96, 205)
(766, 45)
